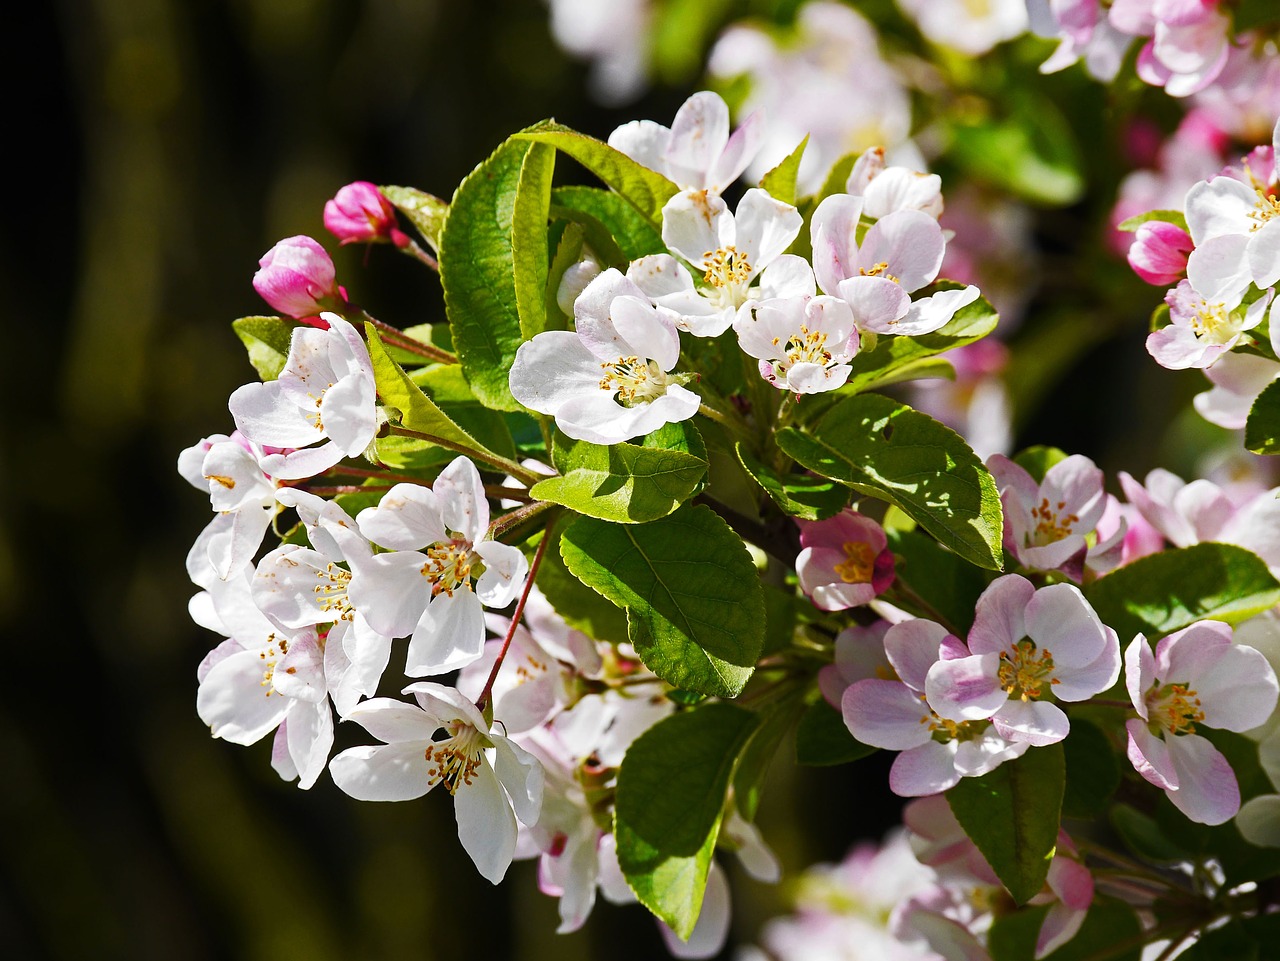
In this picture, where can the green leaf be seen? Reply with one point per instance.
(948, 583)
(1231, 942)
(623, 483)
(447, 386)
(267, 341)
(568, 252)
(1249, 14)
(822, 739)
(644, 189)
(891, 356)
(582, 608)
(1107, 925)
(838, 176)
(883, 448)
(1012, 814)
(695, 608)
(1175, 217)
(775, 721)
(780, 182)
(417, 411)
(804, 496)
(477, 270)
(1144, 837)
(634, 236)
(529, 253)
(1262, 430)
(1165, 592)
(1036, 461)
(671, 795)
(1093, 773)
(426, 212)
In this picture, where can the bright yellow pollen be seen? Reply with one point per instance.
(448, 567)
(726, 267)
(633, 381)
(455, 760)
(1267, 205)
(879, 270)
(807, 347)
(1025, 671)
(1176, 708)
(1210, 320)
(859, 564)
(331, 592)
(277, 647)
(1051, 525)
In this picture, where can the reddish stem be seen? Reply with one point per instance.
(483, 699)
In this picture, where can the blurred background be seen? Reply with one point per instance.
(161, 147)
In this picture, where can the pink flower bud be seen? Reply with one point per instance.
(359, 213)
(297, 278)
(1159, 252)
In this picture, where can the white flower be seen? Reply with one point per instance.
(493, 781)
(325, 393)
(244, 497)
(804, 344)
(609, 380)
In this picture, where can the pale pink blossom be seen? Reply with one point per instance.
(1237, 381)
(859, 654)
(1196, 676)
(1205, 325)
(844, 560)
(804, 344)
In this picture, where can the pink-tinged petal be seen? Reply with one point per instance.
(383, 772)
(999, 618)
(1207, 792)
(1149, 756)
(1177, 348)
(281, 760)
(744, 143)
(300, 673)
(1139, 673)
(1238, 692)
(1060, 620)
(552, 369)
(945, 937)
(886, 714)
(765, 227)
(309, 738)
(449, 636)
(1059, 926)
(978, 757)
(924, 770)
(1070, 880)
(934, 312)
(899, 188)
(1186, 654)
(486, 825)
(712, 928)
(521, 776)
(390, 591)
(967, 688)
(1037, 723)
(912, 648)
(878, 304)
(695, 225)
(264, 415)
(235, 704)
(1256, 527)
(644, 142)
(406, 519)
(699, 135)
(504, 573)
(1012, 477)
(394, 722)
(1156, 507)
(910, 243)
(835, 246)
(463, 505)
(1159, 253)
(1076, 482)
(1219, 268)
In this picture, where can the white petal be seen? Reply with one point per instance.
(406, 519)
(310, 737)
(522, 777)
(463, 505)
(486, 826)
(504, 574)
(699, 135)
(449, 636)
(383, 772)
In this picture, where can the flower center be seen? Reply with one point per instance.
(944, 729)
(277, 647)
(331, 592)
(879, 270)
(859, 563)
(633, 381)
(1212, 322)
(455, 760)
(448, 566)
(1266, 206)
(1025, 670)
(806, 347)
(728, 272)
(1175, 707)
(1051, 524)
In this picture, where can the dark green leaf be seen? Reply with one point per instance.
(1144, 836)
(1012, 814)
(644, 189)
(1107, 926)
(949, 584)
(568, 252)
(529, 253)
(775, 721)
(780, 182)
(267, 341)
(823, 740)
(424, 211)
(1231, 942)
(1262, 430)
(695, 609)
(1249, 14)
(883, 448)
(582, 608)
(477, 270)
(1093, 773)
(634, 236)
(671, 795)
(1164, 592)
(804, 496)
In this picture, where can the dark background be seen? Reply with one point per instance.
(160, 147)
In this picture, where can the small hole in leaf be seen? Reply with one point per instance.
(887, 432)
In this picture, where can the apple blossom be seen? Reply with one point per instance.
(1159, 252)
(844, 560)
(608, 381)
(1196, 676)
(804, 344)
(359, 213)
(1237, 381)
(859, 654)
(242, 494)
(886, 189)
(1202, 327)
(297, 278)
(324, 393)
(1026, 646)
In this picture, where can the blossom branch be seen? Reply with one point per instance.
(503, 464)
(396, 337)
(413, 250)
